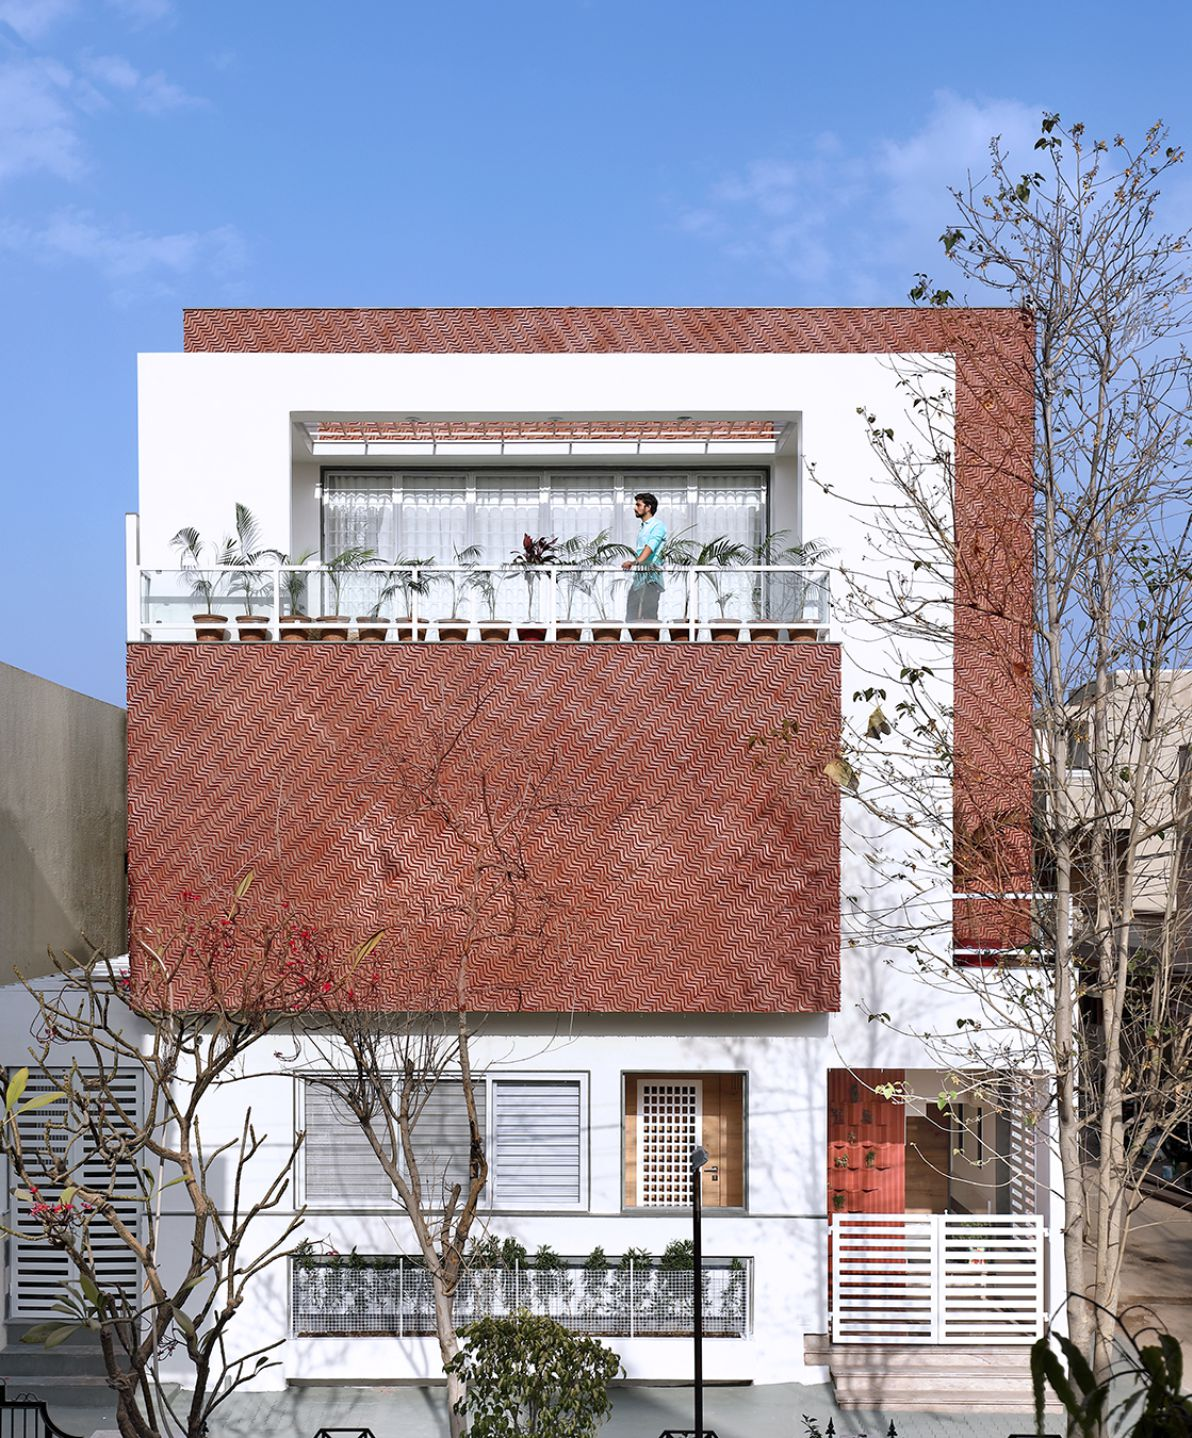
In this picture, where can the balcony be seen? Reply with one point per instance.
(556, 603)
(390, 1295)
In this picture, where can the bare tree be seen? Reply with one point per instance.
(1096, 1001)
(125, 1079)
(482, 918)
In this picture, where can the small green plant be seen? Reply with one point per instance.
(840, 1161)
(1142, 1394)
(527, 1377)
(339, 566)
(595, 1281)
(871, 1158)
(677, 1257)
(838, 1200)
(401, 578)
(551, 1284)
(293, 583)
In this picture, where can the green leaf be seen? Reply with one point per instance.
(184, 1322)
(66, 1331)
(42, 1100)
(16, 1087)
(90, 1292)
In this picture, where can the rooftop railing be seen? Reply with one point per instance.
(440, 603)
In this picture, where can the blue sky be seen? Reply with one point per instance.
(162, 153)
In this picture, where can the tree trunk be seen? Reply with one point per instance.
(448, 1348)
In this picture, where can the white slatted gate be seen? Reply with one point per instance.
(937, 1278)
(37, 1272)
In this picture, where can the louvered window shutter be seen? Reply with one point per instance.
(341, 1169)
(441, 1141)
(536, 1144)
(669, 1122)
(40, 1272)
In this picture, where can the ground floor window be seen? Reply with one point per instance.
(666, 1116)
(535, 1142)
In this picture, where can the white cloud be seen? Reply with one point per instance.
(855, 226)
(38, 121)
(31, 19)
(138, 264)
(155, 94)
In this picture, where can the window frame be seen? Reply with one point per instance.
(489, 1200)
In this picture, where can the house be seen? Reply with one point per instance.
(701, 990)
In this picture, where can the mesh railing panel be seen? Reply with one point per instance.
(337, 1300)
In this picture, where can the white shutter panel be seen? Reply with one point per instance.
(669, 1122)
(536, 1144)
(341, 1169)
(38, 1271)
(441, 1140)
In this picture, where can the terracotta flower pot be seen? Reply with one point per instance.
(645, 633)
(607, 632)
(251, 628)
(371, 628)
(453, 631)
(801, 633)
(209, 628)
(762, 633)
(531, 633)
(291, 627)
(569, 633)
(332, 626)
(405, 630)
(725, 630)
(495, 631)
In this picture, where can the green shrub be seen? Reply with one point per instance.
(525, 1375)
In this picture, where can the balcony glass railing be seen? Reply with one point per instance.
(499, 603)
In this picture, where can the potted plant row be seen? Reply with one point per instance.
(578, 563)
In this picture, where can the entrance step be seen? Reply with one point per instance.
(926, 1378)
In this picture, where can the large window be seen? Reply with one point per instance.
(428, 514)
(535, 1142)
(666, 1116)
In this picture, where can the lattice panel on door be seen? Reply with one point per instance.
(669, 1118)
(39, 1272)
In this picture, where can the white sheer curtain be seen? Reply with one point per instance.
(436, 513)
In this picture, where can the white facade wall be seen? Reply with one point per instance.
(215, 429)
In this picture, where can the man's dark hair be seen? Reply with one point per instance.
(651, 499)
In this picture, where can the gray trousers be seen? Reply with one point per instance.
(642, 603)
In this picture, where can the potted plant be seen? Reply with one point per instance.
(455, 628)
(291, 624)
(245, 551)
(533, 555)
(581, 561)
(492, 629)
(406, 577)
(335, 626)
(684, 552)
(777, 599)
(197, 560)
(397, 578)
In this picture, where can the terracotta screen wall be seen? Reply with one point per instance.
(675, 864)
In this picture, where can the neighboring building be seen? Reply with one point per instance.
(704, 995)
(62, 874)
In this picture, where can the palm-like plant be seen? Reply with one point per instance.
(293, 582)
(581, 559)
(339, 566)
(402, 576)
(778, 548)
(197, 558)
(686, 552)
(245, 551)
(459, 577)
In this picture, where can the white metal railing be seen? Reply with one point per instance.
(937, 1278)
(434, 602)
(363, 1296)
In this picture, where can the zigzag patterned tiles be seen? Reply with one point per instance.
(667, 864)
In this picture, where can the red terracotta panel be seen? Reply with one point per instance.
(685, 874)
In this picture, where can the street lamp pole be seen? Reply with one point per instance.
(699, 1157)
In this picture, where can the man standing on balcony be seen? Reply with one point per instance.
(646, 589)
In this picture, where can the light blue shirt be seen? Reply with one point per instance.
(652, 533)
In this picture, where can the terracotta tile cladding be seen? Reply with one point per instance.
(993, 350)
(685, 875)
